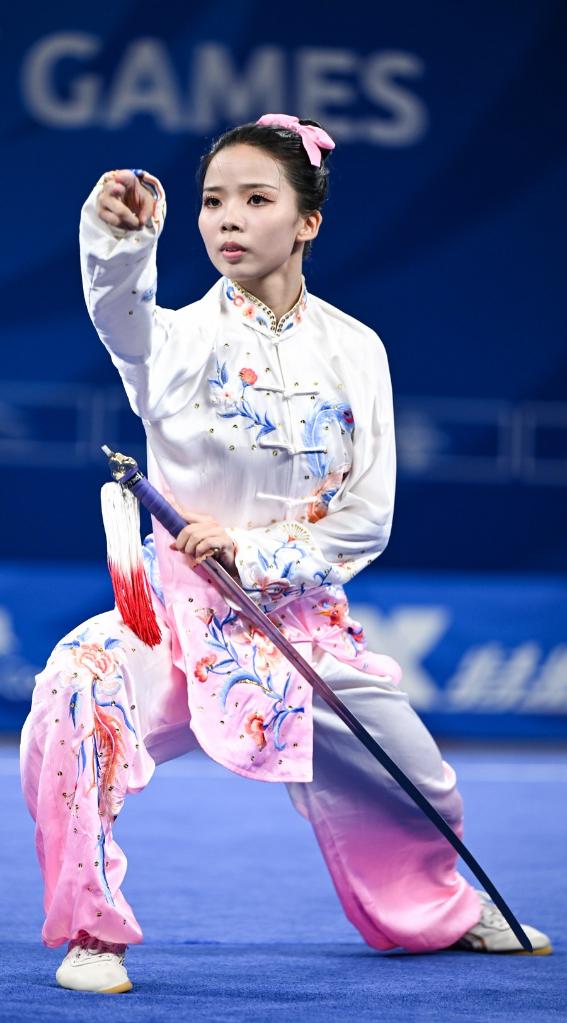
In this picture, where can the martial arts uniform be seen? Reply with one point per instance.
(282, 432)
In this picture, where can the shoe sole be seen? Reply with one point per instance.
(118, 989)
(547, 950)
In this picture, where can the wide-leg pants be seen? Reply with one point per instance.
(395, 875)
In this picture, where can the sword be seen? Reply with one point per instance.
(126, 471)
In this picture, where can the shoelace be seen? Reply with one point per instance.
(95, 946)
(86, 953)
(491, 915)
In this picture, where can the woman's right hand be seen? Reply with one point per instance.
(124, 202)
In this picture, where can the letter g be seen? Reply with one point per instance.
(77, 109)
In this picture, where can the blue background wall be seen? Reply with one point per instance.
(445, 232)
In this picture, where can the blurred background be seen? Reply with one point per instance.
(444, 232)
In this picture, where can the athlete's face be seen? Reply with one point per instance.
(249, 220)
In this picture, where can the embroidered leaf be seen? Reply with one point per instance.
(110, 644)
(282, 715)
(221, 664)
(277, 726)
(266, 428)
(321, 576)
(102, 867)
(223, 373)
(73, 703)
(216, 644)
(244, 675)
(112, 703)
(286, 686)
(232, 652)
(263, 561)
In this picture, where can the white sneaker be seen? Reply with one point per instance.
(92, 965)
(493, 934)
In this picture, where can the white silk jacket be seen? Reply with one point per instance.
(282, 431)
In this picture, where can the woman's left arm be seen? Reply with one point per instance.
(278, 563)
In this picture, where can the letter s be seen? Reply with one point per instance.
(77, 109)
(409, 115)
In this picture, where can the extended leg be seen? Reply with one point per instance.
(102, 704)
(394, 873)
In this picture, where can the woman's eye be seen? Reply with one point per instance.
(257, 196)
(211, 200)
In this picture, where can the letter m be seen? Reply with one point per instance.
(222, 94)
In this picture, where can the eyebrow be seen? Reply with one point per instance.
(242, 188)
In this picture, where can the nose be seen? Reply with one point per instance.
(230, 225)
(231, 220)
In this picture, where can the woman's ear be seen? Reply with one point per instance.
(309, 229)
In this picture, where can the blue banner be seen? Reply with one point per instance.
(482, 657)
(445, 232)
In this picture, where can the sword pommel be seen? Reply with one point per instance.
(120, 465)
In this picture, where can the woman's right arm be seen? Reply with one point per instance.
(121, 222)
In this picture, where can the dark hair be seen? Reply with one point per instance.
(311, 184)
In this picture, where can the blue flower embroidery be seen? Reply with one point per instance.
(239, 406)
(323, 414)
(237, 673)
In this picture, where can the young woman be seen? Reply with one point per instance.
(268, 416)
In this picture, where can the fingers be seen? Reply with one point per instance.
(124, 202)
(201, 540)
(115, 212)
(200, 536)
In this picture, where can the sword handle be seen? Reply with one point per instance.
(157, 505)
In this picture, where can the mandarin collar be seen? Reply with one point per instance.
(253, 312)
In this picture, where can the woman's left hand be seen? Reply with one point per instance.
(203, 537)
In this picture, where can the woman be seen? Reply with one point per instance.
(268, 415)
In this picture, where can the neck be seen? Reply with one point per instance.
(279, 293)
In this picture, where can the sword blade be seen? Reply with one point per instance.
(247, 606)
(126, 471)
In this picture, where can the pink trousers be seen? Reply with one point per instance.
(394, 874)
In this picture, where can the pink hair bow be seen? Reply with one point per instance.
(314, 139)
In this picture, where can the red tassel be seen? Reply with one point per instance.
(121, 517)
(133, 600)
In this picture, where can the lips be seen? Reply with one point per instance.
(232, 247)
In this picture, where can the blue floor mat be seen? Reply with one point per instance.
(241, 921)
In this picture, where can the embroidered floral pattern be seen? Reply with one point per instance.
(257, 673)
(334, 607)
(108, 742)
(267, 653)
(323, 494)
(248, 376)
(254, 311)
(275, 578)
(322, 416)
(203, 666)
(255, 726)
(234, 402)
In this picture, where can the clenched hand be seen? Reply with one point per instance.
(124, 202)
(203, 537)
